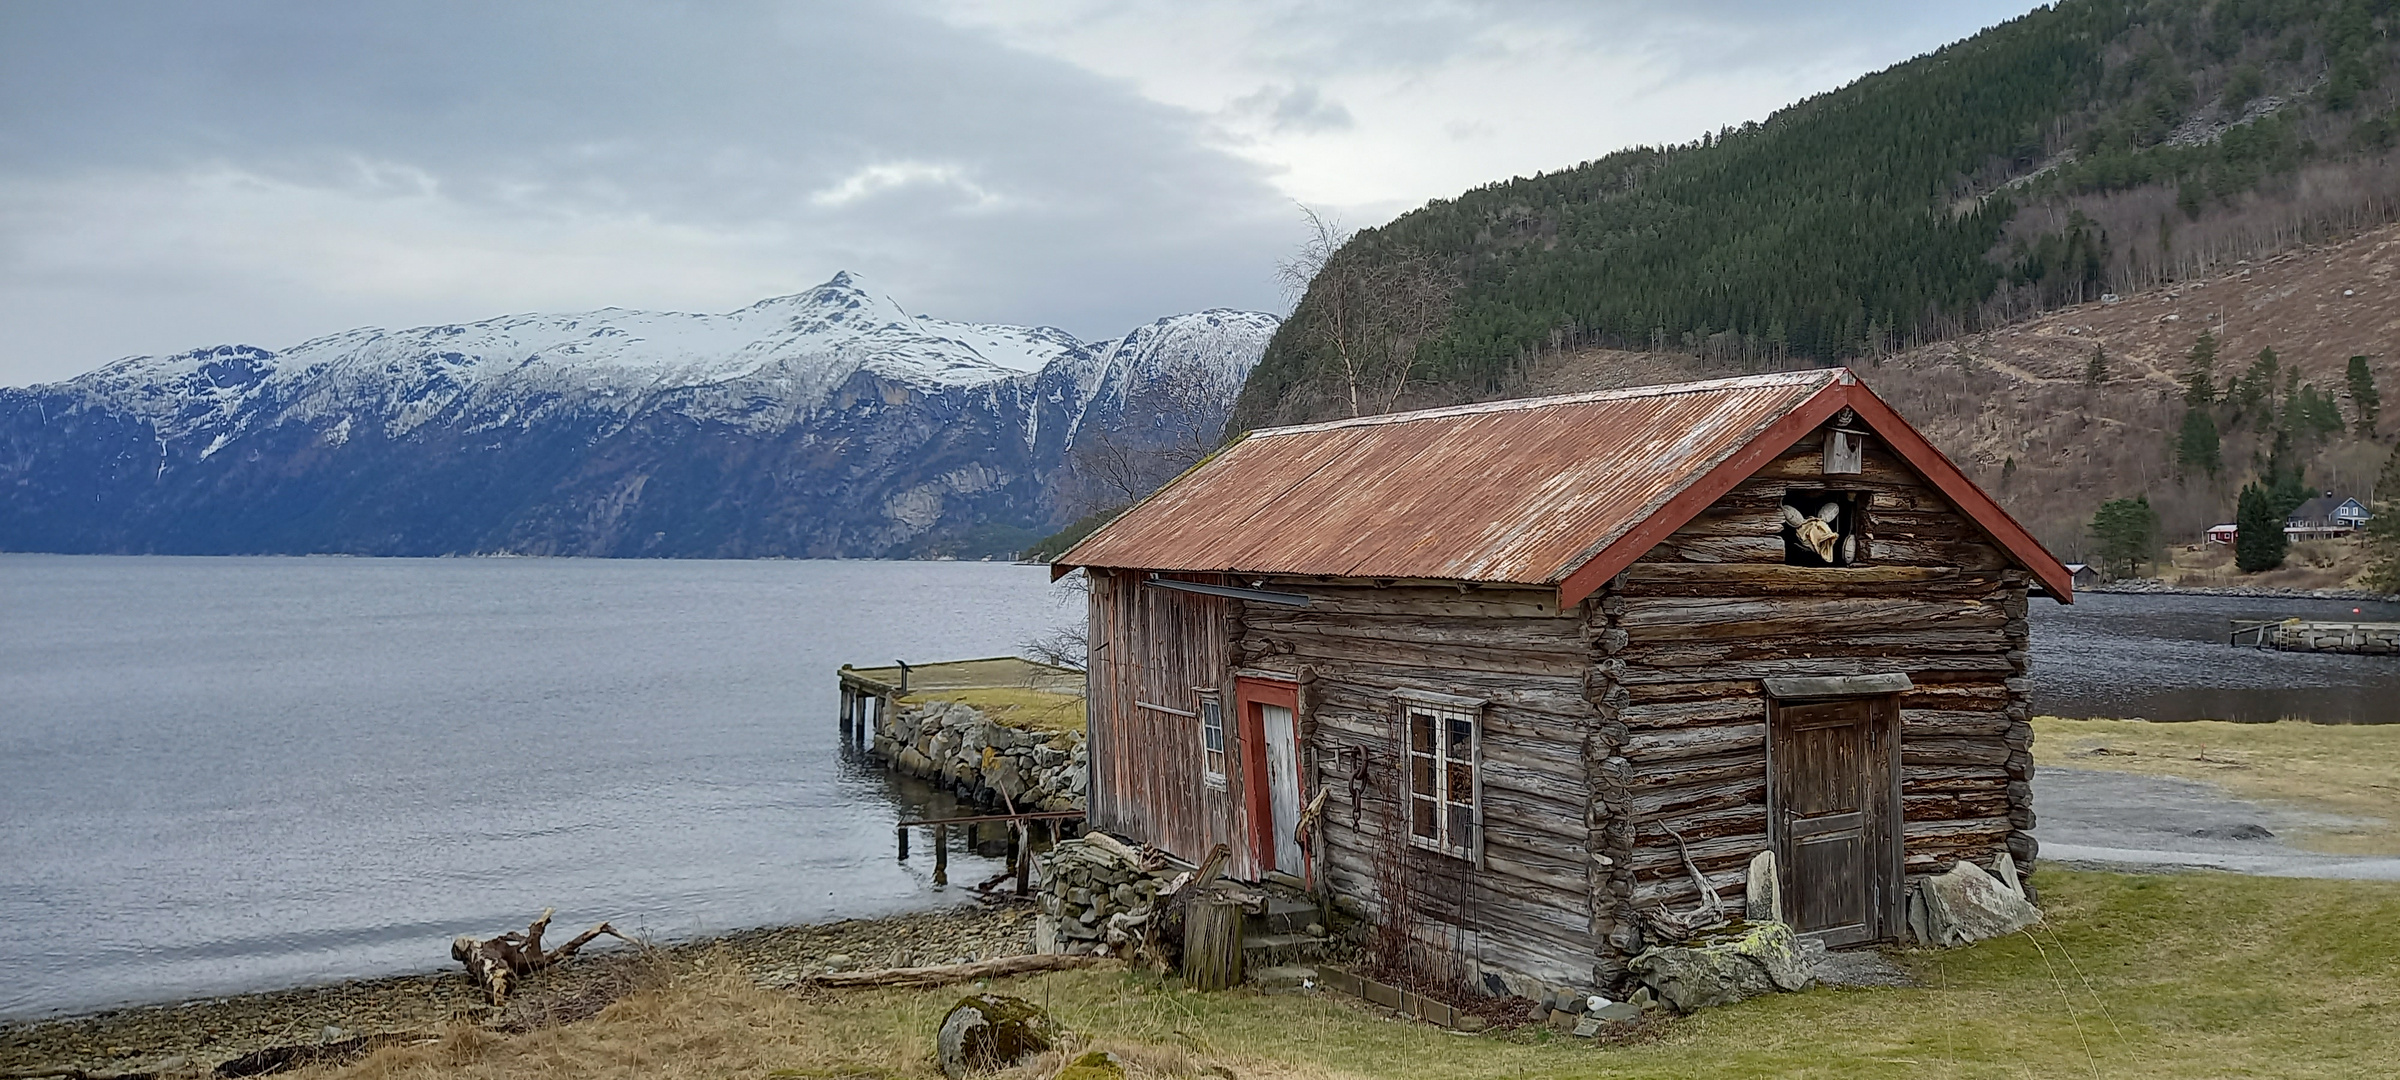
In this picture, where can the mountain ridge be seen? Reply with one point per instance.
(829, 422)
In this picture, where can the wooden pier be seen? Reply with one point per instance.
(2317, 635)
(871, 698)
(1021, 839)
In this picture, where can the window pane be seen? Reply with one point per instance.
(1462, 739)
(1420, 778)
(1420, 733)
(1462, 783)
(1462, 827)
(1422, 823)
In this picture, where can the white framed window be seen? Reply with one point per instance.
(1443, 740)
(1212, 739)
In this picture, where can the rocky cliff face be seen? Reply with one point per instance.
(831, 423)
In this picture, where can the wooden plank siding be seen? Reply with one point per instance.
(1152, 646)
(1687, 633)
(1528, 911)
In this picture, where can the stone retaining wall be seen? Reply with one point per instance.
(2301, 636)
(957, 744)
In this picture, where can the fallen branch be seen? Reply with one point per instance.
(944, 974)
(498, 964)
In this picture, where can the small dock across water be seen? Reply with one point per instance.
(2317, 635)
(1024, 694)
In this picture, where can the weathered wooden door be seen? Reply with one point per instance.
(1834, 807)
(1283, 786)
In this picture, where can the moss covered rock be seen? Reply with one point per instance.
(1093, 1065)
(991, 1031)
(1761, 958)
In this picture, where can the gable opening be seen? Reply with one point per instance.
(1824, 528)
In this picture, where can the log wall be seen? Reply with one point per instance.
(1686, 634)
(1527, 915)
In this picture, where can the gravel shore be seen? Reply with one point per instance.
(194, 1036)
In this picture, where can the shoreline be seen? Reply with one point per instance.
(192, 1036)
(2155, 587)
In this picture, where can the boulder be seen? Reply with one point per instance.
(986, 1032)
(1093, 1065)
(1763, 893)
(1760, 958)
(1967, 905)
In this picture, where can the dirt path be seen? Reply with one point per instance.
(2115, 820)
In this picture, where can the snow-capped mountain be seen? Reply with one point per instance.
(827, 423)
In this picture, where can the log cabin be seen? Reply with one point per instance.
(1532, 682)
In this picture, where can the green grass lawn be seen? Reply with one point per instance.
(2191, 975)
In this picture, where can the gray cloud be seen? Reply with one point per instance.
(262, 171)
(786, 140)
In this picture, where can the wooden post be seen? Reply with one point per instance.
(846, 694)
(1021, 839)
(941, 854)
(1212, 943)
(903, 833)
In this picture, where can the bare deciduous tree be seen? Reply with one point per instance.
(1365, 312)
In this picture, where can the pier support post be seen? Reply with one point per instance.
(902, 832)
(1020, 842)
(941, 854)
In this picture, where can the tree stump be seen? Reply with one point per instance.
(1212, 943)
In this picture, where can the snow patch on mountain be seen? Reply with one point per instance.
(765, 367)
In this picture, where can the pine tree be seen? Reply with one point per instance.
(2383, 529)
(2259, 545)
(2096, 372)
(2365, 402)
(2128, 533)
(2285, 485)
(2200, 381)
(2197, 447)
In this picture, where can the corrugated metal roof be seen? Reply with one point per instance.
(1522, 491)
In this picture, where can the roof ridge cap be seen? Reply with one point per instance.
(1815, 377)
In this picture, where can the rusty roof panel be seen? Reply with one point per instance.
(1513, 491)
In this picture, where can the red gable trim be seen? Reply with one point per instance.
(1778, 437)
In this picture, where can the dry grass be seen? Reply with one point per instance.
(1019, 707)
(2310, 564)
(2348, 770)
(2192, 975)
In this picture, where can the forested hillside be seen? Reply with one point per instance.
(2090, 148)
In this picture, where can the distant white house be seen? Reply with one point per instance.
(2326, 516)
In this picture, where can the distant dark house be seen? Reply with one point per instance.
(2325, 516)
(2083, 575)
(1523, 678)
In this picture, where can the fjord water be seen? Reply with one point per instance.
(2166, 658)
(233, 774)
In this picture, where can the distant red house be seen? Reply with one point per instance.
(2222, 534)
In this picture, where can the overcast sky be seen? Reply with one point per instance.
(181, 174)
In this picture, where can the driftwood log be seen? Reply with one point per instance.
(945, 974)
(499, 964)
